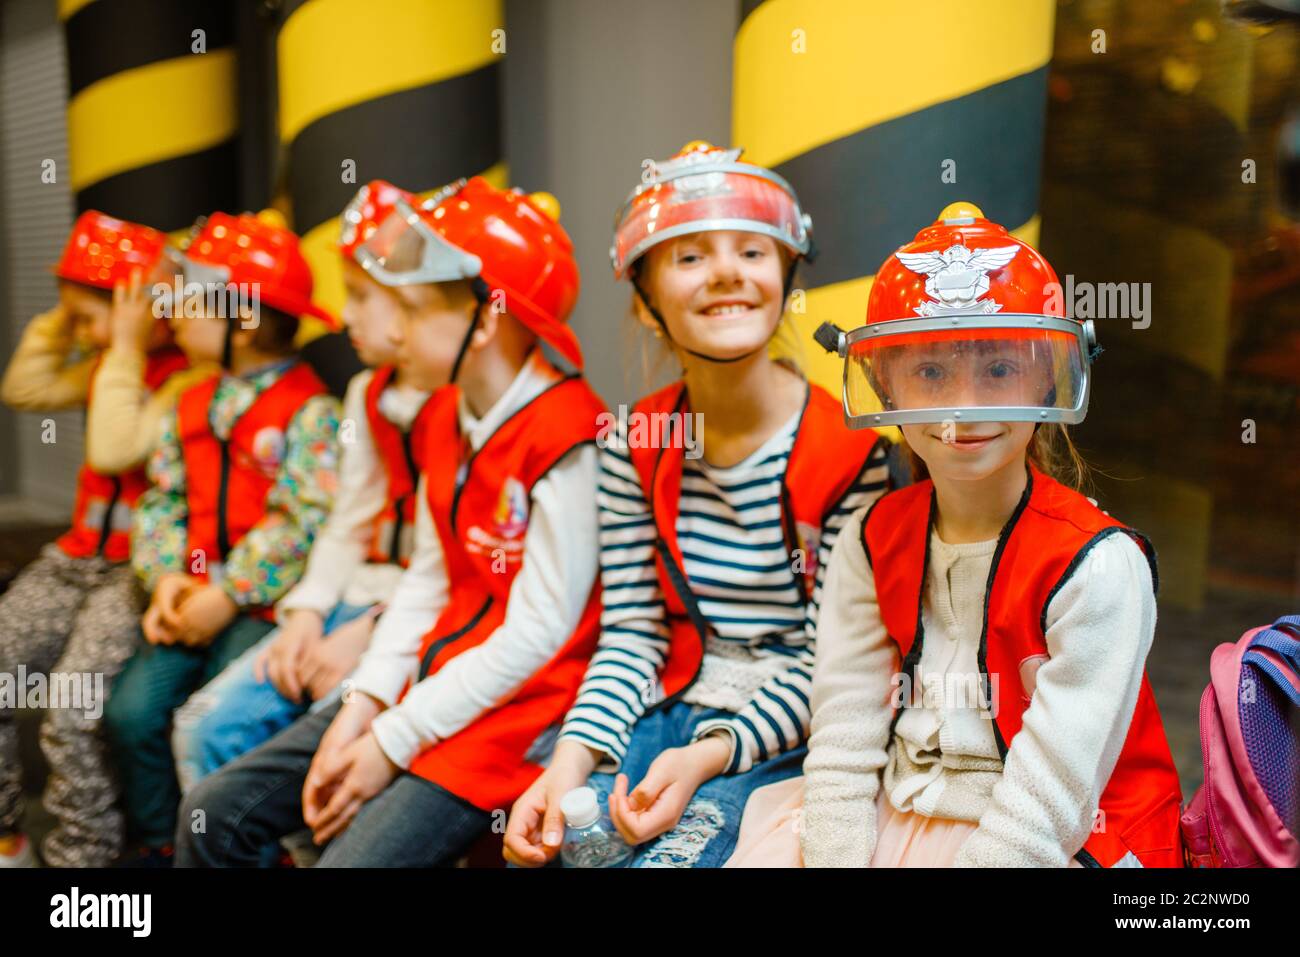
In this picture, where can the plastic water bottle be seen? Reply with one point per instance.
(589, 839)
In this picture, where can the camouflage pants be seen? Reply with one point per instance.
(67, 626)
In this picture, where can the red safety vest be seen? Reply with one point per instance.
(481, 521)
(825, 461)
(226, 483)
(1050, 533)
(101, 517)
(402, 455)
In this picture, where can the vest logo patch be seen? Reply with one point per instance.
(509, 522)
(511, 516)
(268, 449)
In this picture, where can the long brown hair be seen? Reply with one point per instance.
(1052, 452)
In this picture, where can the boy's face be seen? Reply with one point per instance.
(372, 315)
(434, 321)
(88, 312)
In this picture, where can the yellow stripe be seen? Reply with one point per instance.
(151, 113)
(404, 44)
(845, 304)
(320, 247)
(865, 63)
(68, 7)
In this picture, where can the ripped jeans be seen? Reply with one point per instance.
(707, 832)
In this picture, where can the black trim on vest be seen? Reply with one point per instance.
(426, 660)
(469, 463)
(223, 492)
(983, 654)
(1148, 552)
(1086, 859)
(680, 585)
(399, 506)
(106, 528)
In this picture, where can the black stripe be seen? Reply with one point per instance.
(871, 191)
(109, 36)
(420, 139)
(749, 6)
(172, 193)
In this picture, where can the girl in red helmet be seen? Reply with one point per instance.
(73, 610)
(243, 475)
(452, 709)
(979, 697)
(711, 538)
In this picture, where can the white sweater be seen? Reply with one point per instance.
(547, 597)
(1039, 809)
(337, 569)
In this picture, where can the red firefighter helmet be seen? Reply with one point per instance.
(705, 187)
(367, 209)
(471, 230)
(965, 323)
(258, 250)
(102, 251)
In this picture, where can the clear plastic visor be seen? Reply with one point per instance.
(1033, 371)
(404, 250)
(708, 197)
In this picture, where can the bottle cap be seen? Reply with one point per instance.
(580, 807)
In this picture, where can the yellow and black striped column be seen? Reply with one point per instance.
(403, 90)
(152, 124)
(860, 105)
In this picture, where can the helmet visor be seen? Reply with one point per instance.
(405, 250)
(1003, 369)
(691, 196)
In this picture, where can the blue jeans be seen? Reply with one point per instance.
(255, 800)
(706, 834)
(234, 712)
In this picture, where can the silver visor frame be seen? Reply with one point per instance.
(801, 244)
(440, 260)
(1084, 332)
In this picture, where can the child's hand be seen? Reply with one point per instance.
(162, 621)
(326, 660)
(132, 320)
(279, 662)
(535, 830)
(658, 802)
(360, 772)
(352, 721)
(203, 613)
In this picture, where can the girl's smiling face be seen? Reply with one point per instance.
(720, 292)
(968, 451)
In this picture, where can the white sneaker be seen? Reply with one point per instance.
(21, 856)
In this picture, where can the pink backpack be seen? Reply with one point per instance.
(1247, 812)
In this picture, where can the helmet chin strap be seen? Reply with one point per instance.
(481, 297)
(658, 317)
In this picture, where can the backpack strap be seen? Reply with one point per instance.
(1276, 652)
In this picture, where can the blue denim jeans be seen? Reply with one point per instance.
(706, 834)
(234, 712)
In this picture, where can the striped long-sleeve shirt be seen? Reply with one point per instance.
(758, 661)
